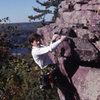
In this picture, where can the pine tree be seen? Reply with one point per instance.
(42, 13)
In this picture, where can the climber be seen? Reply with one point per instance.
(40, 52)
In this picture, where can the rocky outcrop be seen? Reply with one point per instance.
(80, 53)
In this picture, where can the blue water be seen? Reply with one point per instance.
(20, 51)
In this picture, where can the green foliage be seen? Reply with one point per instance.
(4, 19)
(5, 40)
(19, 76)
(19, 81)
(42, 13)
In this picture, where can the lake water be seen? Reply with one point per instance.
(20, 51)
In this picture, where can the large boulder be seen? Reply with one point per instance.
(80, 52)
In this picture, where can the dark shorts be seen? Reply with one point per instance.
(47, 77)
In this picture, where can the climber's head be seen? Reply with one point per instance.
(35, 40)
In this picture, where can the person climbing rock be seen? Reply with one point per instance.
(40, 54)
(50, 72)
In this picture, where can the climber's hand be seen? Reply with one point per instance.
(63, 37)
(54, 37)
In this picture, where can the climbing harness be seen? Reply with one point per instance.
(47, 77)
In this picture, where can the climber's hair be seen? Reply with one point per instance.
(33, 37)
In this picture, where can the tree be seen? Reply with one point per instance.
(42, 13)
(18, 75)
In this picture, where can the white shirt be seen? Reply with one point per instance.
(40, 55)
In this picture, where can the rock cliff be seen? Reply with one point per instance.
(80, 52)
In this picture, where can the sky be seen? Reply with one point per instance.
(18, 10)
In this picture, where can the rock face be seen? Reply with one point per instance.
(87, 82)
(80, 53)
